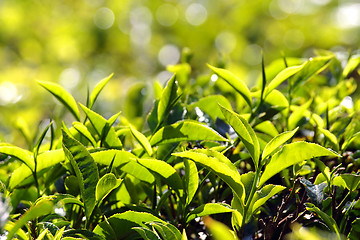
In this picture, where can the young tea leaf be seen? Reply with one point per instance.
(186, 130)
(146, 234)
(85, 169)
(208, 209)
(167, 100)
(262, 195)
(19, 153)
(210, 105)
(297, 114)
(219, 230)
(166, 230)
(191, 180)
(331, 138)
(98, 88)
(291, 154)
(105, 185)
(349, 181)
(63, 96)
(83, 130)
(235, 82)
(245, 133)
(144, 142)
(276, 142)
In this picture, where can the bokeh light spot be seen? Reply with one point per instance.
(8, 93)
(69, 78)
(348, 15)
(196, 14)
(252, 54)
(104, 18)
(225, 42)
(167, 14)
(294, 39)
(169, 54)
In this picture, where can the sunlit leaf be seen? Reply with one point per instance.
(221, 166)
(349, 181)
(331, 138)
(210, 105)
(146, 233)
(298, 114)
(85, 169)
(98, 88)
(208, 209)
(63, 96)
(291, 154)
(42, 208)
(186, 130)
(262, 195)
(19, 153)
(191, 180)
(144, 142)
(83, 130)
(166, 230)
(245, 133)
(328, 220)
(219, 230)
(235, 82)
(167, 100)
(351, 65)
(105, 185)
(276, 142)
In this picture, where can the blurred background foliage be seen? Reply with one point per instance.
(77, 43)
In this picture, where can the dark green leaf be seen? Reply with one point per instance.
(314, 192)
(85, 169)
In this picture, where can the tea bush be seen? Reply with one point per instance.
(212, 158)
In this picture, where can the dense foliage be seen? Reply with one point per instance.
(211, 158)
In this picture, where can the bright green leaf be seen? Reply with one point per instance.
(166, 230)
(208, 209)
(83, 130)
(19, 153)
(351, 65)
(210, 105)
(105, 185)
(98, 88)
(146, 234)
(262, 195)
(186, 130)
(235, 82)
(191, 180)
(331, 138)
(63, 96)
(276, 142)
(349, 181)
(297, 114)
(144, 142)
(291, 154)
(167, 100)
(219, 230)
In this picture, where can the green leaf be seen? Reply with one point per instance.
(144, 142)
(245, 133)
(166, 171)
(99, 124)
(276, 142)
(235, 82)
(262, 195)
(351, 65)
(210, 105)
(220, 165)
(208, 209)
(123, 223)
(314, 192)
(44, 161)
(355, 230)
(328, 220)
(349, 181)
(19, 153)
(63, 96)
(42, 208)
(331, 138)
(146, 233)
(186, 130)
(105, 185)
(291, 154)
(166, 230)
(39, 141)
(297, 114)
(83, 130)
(281, 77)
(98, 88)
(125, 161)
(268, 128)
(349, 140)
(85, 169)
(191, 180)
(167, 100)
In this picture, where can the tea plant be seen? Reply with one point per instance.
(262, 162)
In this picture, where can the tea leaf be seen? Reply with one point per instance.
(186, 130)
(144, 142)
(235, 82)
(331, 137)
(277, 142)
(262, 195)
(41, 208)
(328, 220)
(146, 233)
(85, 169)
(105, 185)
(63, 96)
(19, 153)
(166, 171)
(245, 133)
(210, 105)
(124, 224)
(219, 230)
(44, 160)
(221, 166)
(98, 88)
(100, 124)
(291, 154)
(297, 114)
(166, 230)
(349, 181)
(351, 65)
(125, 161)
(167, 100)
(314, 192)
(208, 209)
(83, 130)
(191, 180)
